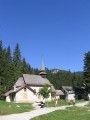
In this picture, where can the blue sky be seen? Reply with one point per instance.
(57, 30)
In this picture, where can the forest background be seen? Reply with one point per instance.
(12, 66)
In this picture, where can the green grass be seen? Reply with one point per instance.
(60, 103)
(10, 108)
(71, 113)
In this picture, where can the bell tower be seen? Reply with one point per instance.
(43, 71)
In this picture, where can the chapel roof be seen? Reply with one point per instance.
(68, 89)
(9, 92)
(18, 89)
(53, 89)
(33, 80)
(59, 92)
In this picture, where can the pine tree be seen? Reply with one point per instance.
(36, 71)
(26, 67)
(17, 62)
(1, 61)
(10, 72)
(87, 70)
(2, 70)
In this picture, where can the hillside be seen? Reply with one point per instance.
(61, 77)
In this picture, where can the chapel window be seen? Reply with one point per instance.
(25, 90)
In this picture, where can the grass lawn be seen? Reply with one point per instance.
(60, 103)
(72, 113)
(10, 108)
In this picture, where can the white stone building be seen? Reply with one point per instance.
(69, 93)
(27, 87)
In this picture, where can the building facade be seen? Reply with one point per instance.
(27, 87)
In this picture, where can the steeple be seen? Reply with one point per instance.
(43, 71)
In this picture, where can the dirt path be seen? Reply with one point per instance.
(34, 113)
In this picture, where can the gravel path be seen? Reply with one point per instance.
(34, 113)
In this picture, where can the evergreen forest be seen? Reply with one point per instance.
(12, 66)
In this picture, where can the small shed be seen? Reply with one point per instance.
(69, 93)
(59, 94)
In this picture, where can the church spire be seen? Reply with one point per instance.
(43, 71)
